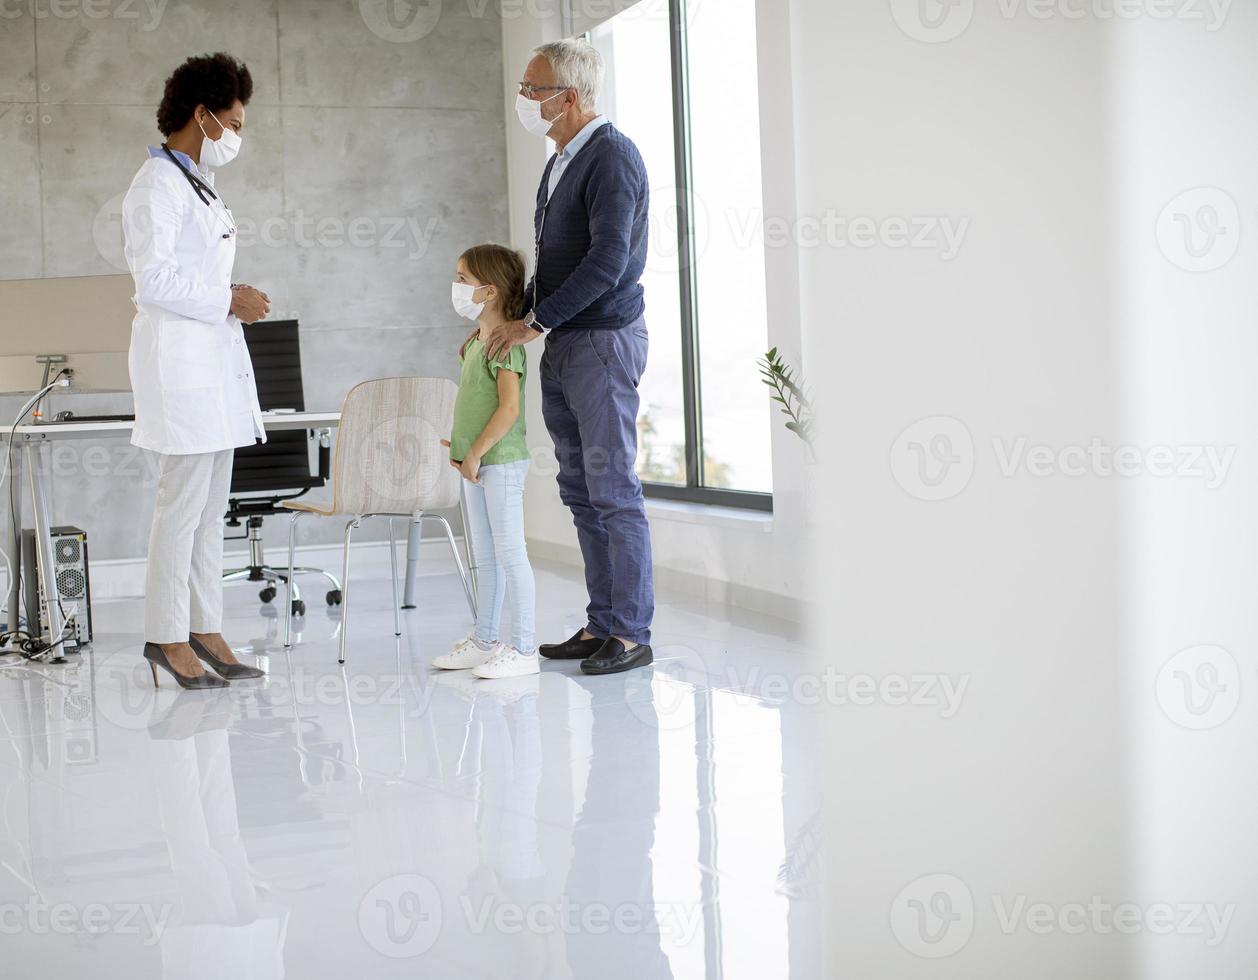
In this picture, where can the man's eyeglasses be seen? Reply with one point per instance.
(528, 91)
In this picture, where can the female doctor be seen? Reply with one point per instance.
(195, 399)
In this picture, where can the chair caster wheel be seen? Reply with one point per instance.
(299, 607)
(334, 597)
(267, 594)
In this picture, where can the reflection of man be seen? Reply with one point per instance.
(612, 870)
(591, 232)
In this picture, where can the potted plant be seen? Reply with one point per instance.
(791, 395)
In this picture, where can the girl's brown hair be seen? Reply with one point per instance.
(503, 268)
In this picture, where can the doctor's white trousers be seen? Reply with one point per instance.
(184, 591)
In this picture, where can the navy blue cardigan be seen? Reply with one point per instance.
(593, 242)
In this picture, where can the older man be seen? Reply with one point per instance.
(591, 238)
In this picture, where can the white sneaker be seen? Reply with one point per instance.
(466, 654)
(508, 662)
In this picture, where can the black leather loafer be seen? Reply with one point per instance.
(573, 648)
(612, 658)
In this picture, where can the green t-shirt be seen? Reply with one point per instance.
(478, 400)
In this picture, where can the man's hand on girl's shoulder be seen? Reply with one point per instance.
(511, 334)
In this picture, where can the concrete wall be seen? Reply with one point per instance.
(373, 155)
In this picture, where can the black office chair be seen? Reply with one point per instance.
(279, 469)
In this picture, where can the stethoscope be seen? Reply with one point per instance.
(203, 189)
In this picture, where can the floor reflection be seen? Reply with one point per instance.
(383, 819)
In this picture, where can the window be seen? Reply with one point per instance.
(682, 84)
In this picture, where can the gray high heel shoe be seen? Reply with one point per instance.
(233, 672)
(156, 657)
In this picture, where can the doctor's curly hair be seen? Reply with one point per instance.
(215, 81)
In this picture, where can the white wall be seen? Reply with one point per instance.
(749, 559)
(1184, 102)
(1087, 757)
(1009, 588)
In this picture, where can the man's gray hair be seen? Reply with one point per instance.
(577, 65)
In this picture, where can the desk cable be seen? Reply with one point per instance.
(14, 520)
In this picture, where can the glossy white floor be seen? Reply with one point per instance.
(385, 820)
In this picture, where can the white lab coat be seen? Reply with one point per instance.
(190, 369)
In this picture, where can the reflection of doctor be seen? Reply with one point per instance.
(195, 399)
(218, 925)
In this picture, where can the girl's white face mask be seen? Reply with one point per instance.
(530, 113)
(461, 294)
(222, 151)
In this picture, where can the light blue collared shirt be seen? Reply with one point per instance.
(157, 151)
(564, 157)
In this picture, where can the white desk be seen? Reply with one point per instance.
(32, 438)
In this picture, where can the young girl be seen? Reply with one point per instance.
(487, 446)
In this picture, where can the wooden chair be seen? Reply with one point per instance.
(389, 462)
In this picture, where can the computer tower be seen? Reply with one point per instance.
(70, 571)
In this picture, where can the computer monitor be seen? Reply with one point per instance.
(84, 319)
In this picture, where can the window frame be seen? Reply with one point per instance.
(694, 491)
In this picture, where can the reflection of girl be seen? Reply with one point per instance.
(195, 399)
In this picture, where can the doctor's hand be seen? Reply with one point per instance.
(250, 304)
(510, 334)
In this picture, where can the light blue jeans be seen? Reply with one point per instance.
(495, 518)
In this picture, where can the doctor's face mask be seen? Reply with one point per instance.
(222, 151)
